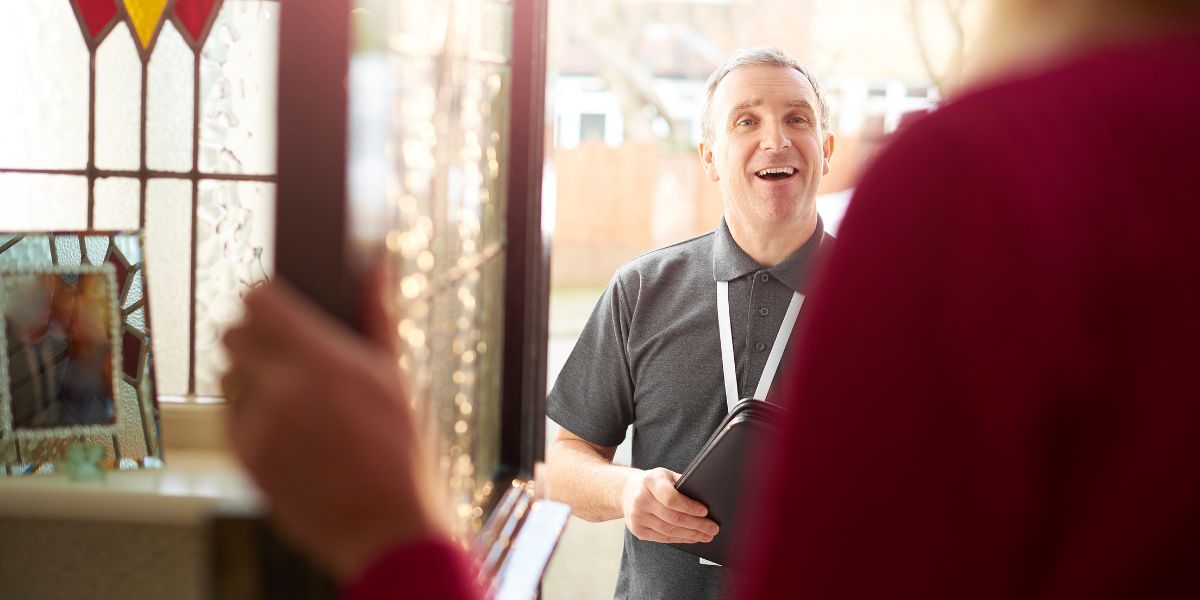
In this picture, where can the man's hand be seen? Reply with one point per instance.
(656, 512)
(321, 420)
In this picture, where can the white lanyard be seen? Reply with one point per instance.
(727, 362)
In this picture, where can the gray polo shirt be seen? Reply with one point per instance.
(650, 356)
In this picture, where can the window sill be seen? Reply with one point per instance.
(188, 427)
(192, 486)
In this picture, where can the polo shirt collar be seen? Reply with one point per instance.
(731, 262)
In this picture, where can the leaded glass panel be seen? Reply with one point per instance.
(73, 367)
(119, 141)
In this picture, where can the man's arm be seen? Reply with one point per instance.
(583, 475)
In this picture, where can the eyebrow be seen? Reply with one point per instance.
(740, 106)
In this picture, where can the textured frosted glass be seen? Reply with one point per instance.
(117, 204)
(132, 435)
(169, 103)
(137, 320)
(42, 202)
(30, 250)
(96, 248)
(68, 251)
(168, 261)
(233, 252)
(118, 101)
(44, 78)
(129, 418)
(238, 89)
(135, 292)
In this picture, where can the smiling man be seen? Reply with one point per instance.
(684, 331)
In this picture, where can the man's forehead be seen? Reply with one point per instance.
(748, 87)
(797, 102)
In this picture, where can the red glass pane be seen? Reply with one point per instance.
(96, 14)
(131, 354)
(194, 15)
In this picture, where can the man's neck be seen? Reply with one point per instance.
(771, 244)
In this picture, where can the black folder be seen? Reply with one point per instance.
(717, 476)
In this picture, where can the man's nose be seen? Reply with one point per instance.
(774, 138)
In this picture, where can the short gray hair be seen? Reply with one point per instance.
(754, 57)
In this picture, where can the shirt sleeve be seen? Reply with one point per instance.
(425, 569)
(593, 395)
(874, 490)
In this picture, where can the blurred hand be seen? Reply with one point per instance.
(656, 512)
(322, 422)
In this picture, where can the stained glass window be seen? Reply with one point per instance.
(152, 114)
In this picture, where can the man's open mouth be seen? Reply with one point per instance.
(775, 173)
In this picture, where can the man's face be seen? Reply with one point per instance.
(767, 152)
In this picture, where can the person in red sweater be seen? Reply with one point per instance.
(996, 394)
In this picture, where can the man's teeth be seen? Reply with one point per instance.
(776, 171)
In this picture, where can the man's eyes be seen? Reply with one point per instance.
(798, 120)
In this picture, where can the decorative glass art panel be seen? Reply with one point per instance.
(429, 102)
(75, 362)
(130, 113)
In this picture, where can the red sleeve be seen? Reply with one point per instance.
(872, 493)
(426, 569)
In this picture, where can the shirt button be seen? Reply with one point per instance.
(764, 311)
(764, 278)
(760, 346)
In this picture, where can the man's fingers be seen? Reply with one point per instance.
(685, 522)
(652, 510)
(662, 485)
(655, 529)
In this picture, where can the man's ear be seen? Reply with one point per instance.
(706, 160)
(827, 150)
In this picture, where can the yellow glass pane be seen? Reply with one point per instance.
(145, 14)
